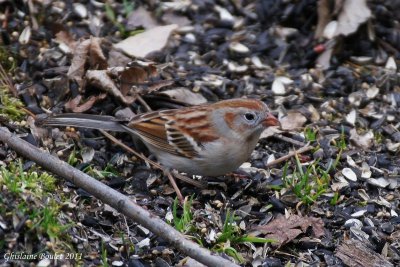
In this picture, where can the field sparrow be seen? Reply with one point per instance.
(208, 140)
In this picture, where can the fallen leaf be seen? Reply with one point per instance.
(77, 69)
(137, 79)
(141, 17)
(117, 58)
(87, 50)
(283, 230)
(102, 80)
(270, 131)
(97, 60)
(172, 18)
(75, 106)
(134, 75)
(155, 86)
(147, 42)
(292, 121)
(64, 37)
(186, 96)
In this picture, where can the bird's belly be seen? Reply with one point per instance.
(223, 159)
(218, 160)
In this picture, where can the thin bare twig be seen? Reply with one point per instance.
(174, 185)
(166, 172)
(113, 198)
(288, 156)
(145, 105)
(7, 82)
(289, 140)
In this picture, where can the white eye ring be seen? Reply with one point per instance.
(250, 116)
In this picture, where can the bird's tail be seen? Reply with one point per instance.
(107, 123)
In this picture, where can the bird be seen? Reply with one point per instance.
(207, 140)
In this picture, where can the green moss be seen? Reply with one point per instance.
(10, 106)
(17, 181)
(29, 194)
(6, 59)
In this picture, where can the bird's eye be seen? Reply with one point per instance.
(250, 116)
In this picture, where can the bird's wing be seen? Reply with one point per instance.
(179, 132)
(157, 130)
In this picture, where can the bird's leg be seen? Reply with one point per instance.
(171, 178)
(152, 163)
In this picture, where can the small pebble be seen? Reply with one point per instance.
(387, 227)
(349, 174)
(353, 223)
(359, 213)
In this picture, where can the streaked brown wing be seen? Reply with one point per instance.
(195, 123)
(157, 129)
(188, 129)
(183, 144)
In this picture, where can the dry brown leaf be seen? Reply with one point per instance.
(116, 58)
(283, 230)
(74, 106)
(134, 80)
(170, 17)
(155, 86)
(136, 74)
(103, 81)
(63, 37)
(292, 121)
(270, 131)
(77, 69)
(97, 60)
(141, 17)
(147, 42)
(186, 96)
(86, 50)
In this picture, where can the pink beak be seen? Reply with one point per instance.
(270, 120)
